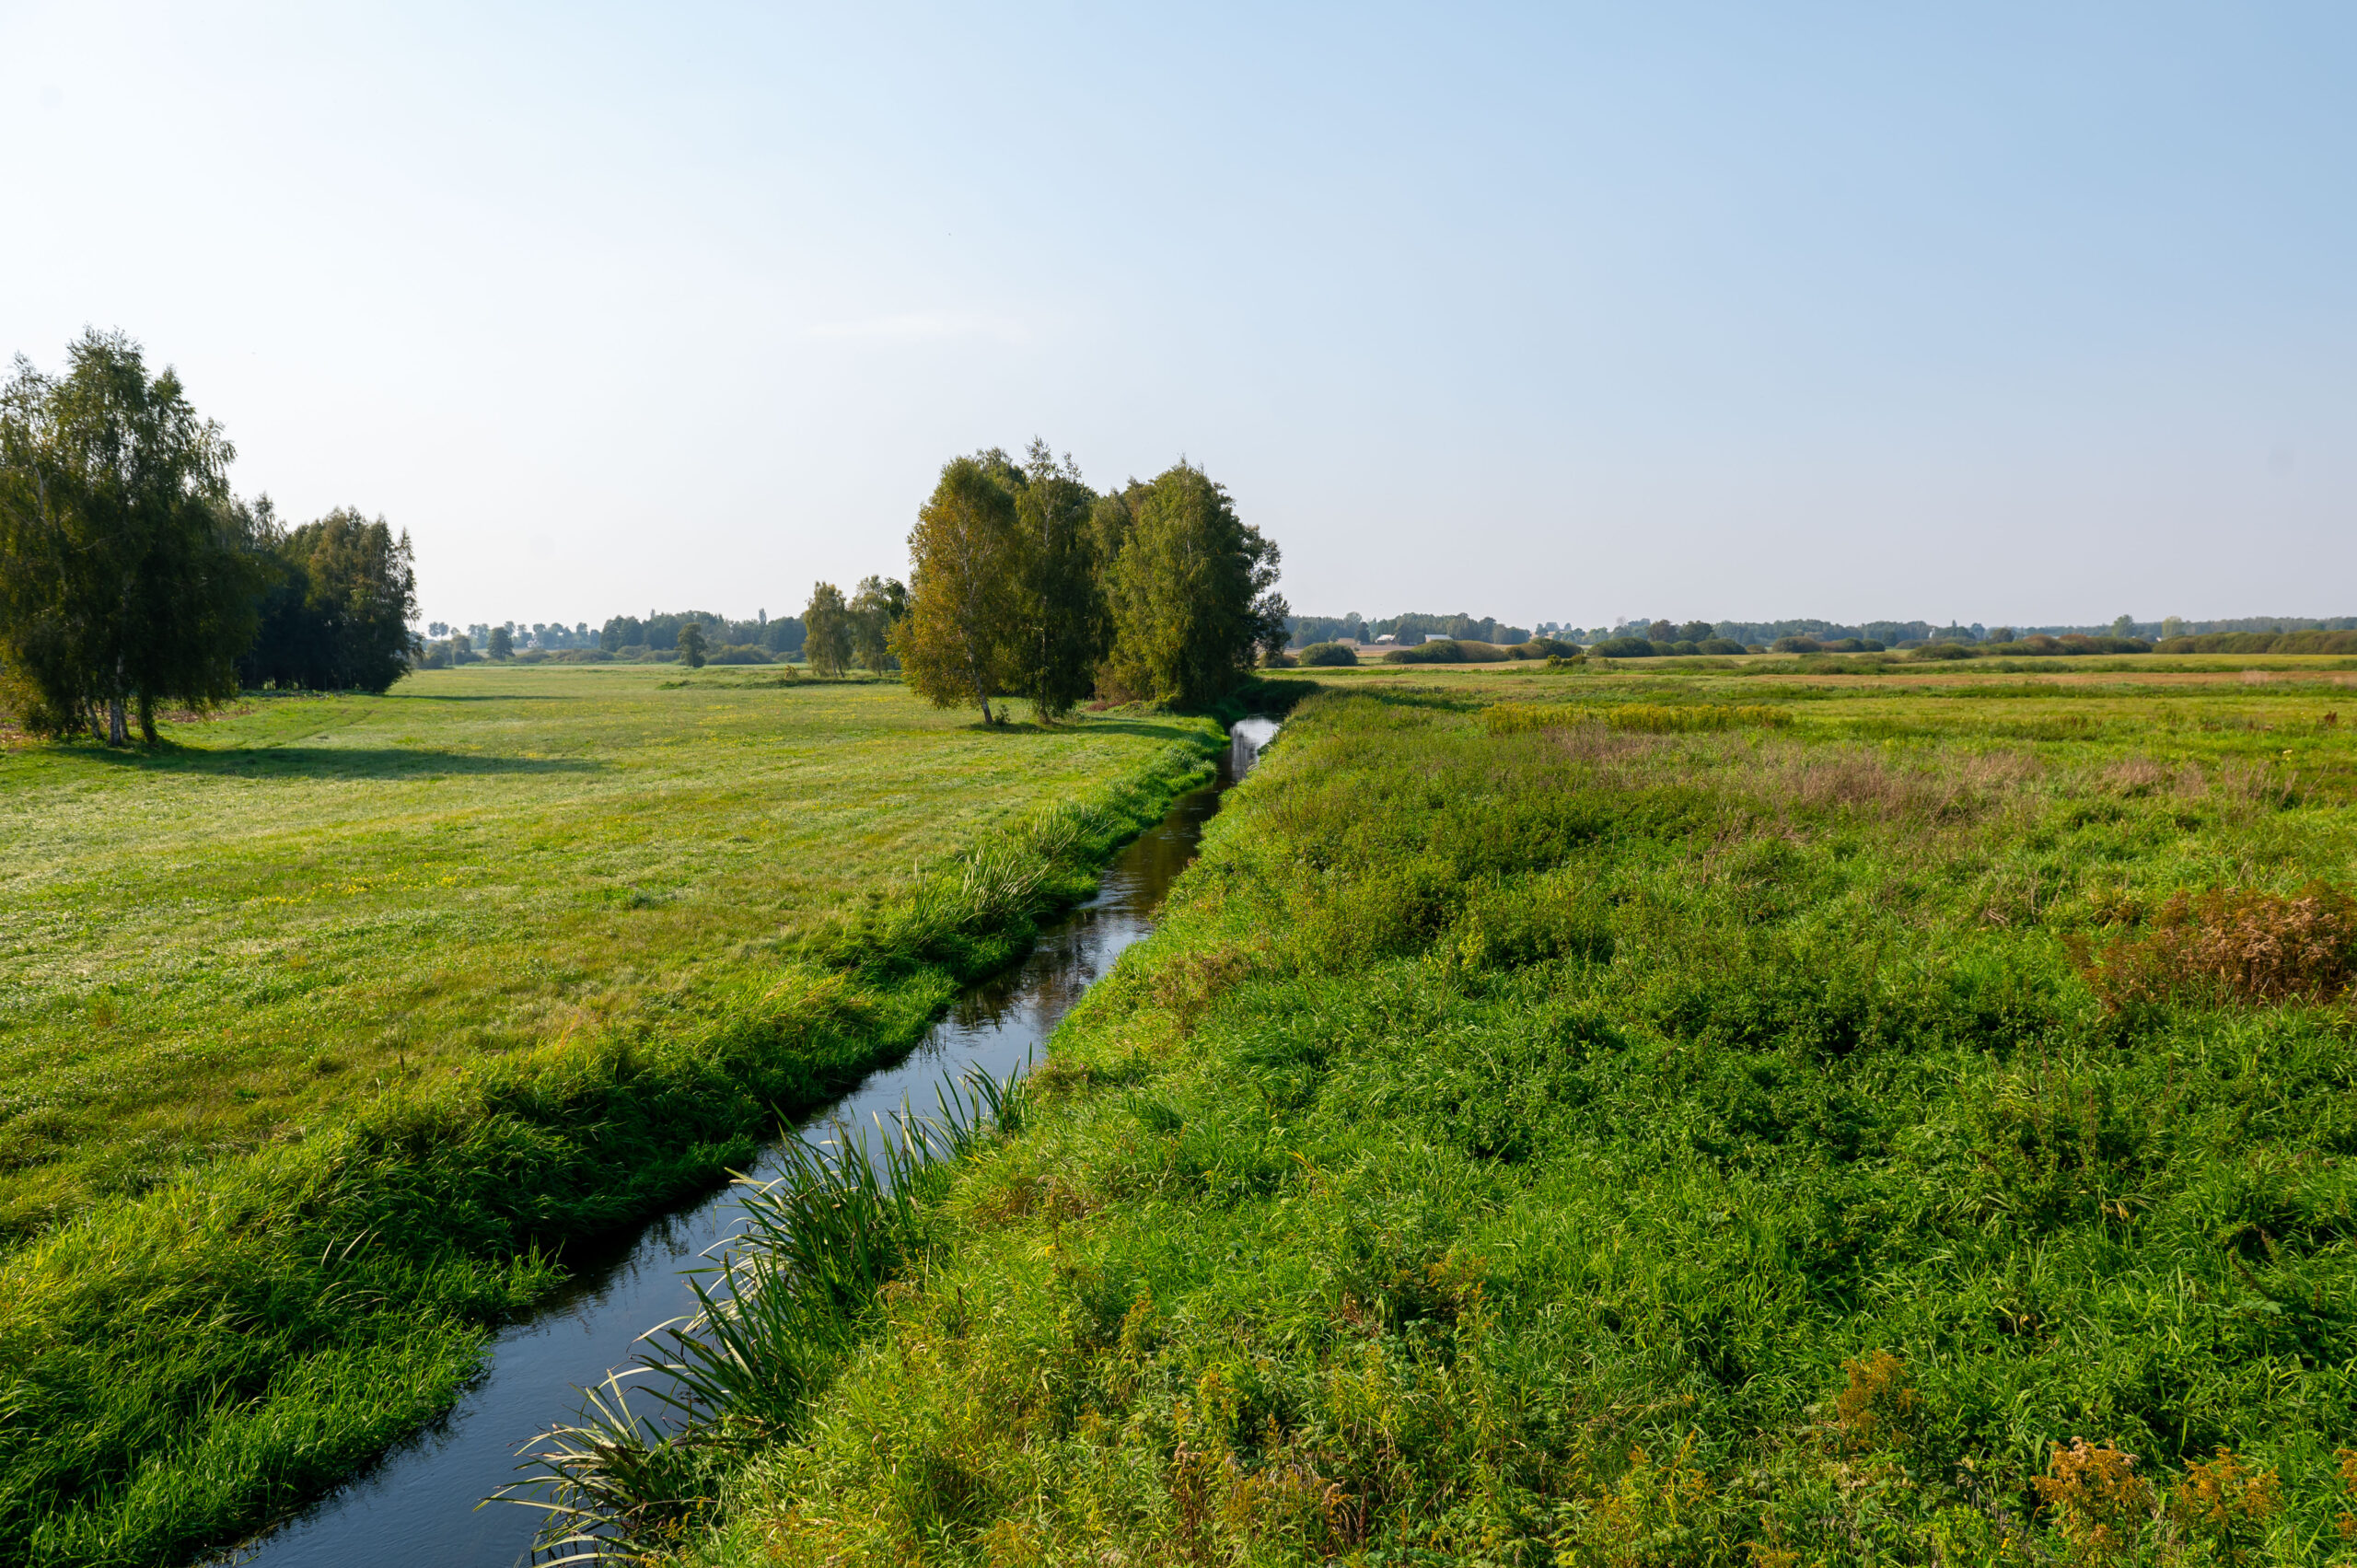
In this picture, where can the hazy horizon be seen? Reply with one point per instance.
(2022, 317)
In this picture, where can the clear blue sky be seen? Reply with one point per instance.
(2025, 314)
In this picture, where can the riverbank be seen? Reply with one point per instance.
(1832, 1142)
(187, 1361)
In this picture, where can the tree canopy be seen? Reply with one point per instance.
(126, 577)
(336, 615)
(1192, 594)
(875, 608)
(826, 631)
(1059, 622)
(964, 557)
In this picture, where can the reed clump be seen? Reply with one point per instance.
(779, 1308)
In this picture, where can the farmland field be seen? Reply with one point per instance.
(329, 1023)
(1670, 1118)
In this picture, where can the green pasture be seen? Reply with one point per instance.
(292, 906)
(330, 1024)
(1831, 1140)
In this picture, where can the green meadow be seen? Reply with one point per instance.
(329, 1023)
(1647, 1119)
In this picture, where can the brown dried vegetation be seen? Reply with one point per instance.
(2230, 944)
(2099, 1504)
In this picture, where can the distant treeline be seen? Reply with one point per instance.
(2310, 641)
(656, 635)
(1410, 630)
(132, 580)
(2122, 634)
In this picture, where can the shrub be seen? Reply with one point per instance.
(585, 656)
(1543, 647)
(2231, 945)
(1447, 650)
(1720, 645)
(1325, 655)
(1623, 647)
(2097, 1501)
(1936, 652)
(2262, 643)
(740, 653)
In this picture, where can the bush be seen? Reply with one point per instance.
(585, 656)
(1719, 646)
(1543, 647)
(1623, 647)
(740, 653)
(1447, 650)
(1797, 645)
(2037, 644)
(2240, 946)
(1940, 651)
(1324, 655)
(2262, 643)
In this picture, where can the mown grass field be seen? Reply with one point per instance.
(1911, 1125)
(329, 1024)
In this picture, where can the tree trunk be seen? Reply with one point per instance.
(147, 718)
(117, 729)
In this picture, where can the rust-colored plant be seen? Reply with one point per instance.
(2227, 1504)
(2100, 1505)
(1877, 1404)
(2231, 944)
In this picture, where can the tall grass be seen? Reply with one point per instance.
(1625, 1148)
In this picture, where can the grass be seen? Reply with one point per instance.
(332, 1022)
(1665, 1145)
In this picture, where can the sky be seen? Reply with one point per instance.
(2033, 314)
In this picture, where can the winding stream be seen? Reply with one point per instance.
(420, 1504)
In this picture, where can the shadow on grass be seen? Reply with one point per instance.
(332, 761)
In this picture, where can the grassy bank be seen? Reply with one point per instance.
(1918, 1132)
(337, 1020)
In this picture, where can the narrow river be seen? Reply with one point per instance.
(420, 1504)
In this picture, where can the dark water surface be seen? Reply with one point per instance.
(419, 1504)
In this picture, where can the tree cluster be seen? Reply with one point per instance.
(335, 615)
(1025, 582)
(132, 579)
(659, 633)
(840, 633)
(1408, 631)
